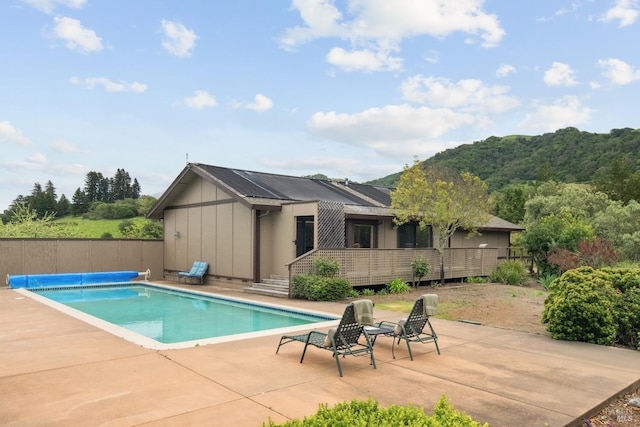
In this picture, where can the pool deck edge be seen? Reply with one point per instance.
(56, 370)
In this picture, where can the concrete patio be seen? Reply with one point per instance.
(56, 370)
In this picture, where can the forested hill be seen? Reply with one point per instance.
(567, 155)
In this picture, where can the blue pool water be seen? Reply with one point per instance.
(172, 316)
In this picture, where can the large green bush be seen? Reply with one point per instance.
(320, 288)
(581, 307)
(327, 267)
(627, 282)
(359, 413)
(510, 273)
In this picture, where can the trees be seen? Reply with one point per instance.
(618, 180)
(509, 203)
(26, 223)
(441, 199)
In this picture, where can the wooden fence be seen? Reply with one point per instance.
(50, 256)
(364, 267)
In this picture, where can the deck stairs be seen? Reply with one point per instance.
(275, 286)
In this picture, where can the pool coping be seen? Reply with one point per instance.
(152, 344)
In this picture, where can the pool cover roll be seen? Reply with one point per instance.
(69, 279)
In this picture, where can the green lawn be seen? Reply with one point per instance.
(96, 228)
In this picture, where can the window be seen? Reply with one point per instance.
(304, 234)
(411, 236)
(362, 234)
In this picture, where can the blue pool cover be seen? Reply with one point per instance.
(69, 279)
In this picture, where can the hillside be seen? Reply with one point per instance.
(570, 155)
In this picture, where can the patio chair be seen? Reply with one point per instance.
(341, 341)
(416, 327)
(198, 271)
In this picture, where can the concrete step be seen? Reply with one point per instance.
(275, 286)
(277, 282)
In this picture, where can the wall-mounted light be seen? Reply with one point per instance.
(176, 234)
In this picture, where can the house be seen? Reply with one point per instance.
(250, 226)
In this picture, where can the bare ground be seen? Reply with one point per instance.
(509, 307)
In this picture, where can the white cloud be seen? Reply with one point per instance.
(381, 25)
(37, 158)
(10, 133)
(363, 60)
(65, 147)
(564, 112)
(433, 57)
(322, 19)
(179, 40)
(261, 103)
(76, 36)
(392, 124)
(619, 72)
(47, 6)
(559, 75)
(108, 85)
(469, 95)
(504, 70)
(199, 100)
(625, 11)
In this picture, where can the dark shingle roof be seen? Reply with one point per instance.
(269, 191)
(281, 187)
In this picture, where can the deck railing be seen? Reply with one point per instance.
(364, 267)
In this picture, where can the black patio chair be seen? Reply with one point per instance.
(341, 341)
(416, 327)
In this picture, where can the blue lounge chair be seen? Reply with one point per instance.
(198, 271)
(341, 341)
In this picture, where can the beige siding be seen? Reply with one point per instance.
(387, 235)
(224, 246)
(278, 233)
(213, 228)
(493, 239)
(242, 242)
(266, 242)
(210, 235)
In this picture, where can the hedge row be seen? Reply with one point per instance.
(359, 413)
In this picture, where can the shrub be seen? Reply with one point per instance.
(368, 413)
(420, 268)
(545, 281)
(597, 253)
(320, 288)
(474, 279)
(398, 286)
(367, 292)
(563, 259)
(510, 273)
(580, 307)
(326, 267)
(627, 282)
(628, 317)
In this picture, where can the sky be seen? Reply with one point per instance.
(351, 89)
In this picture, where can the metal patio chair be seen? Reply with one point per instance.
(341, 341)
(416, 327)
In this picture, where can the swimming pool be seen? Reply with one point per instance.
(161, 317)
